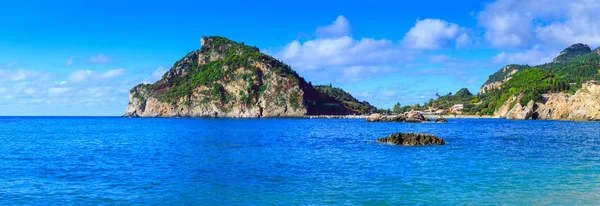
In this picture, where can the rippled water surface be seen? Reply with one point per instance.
(56, 160)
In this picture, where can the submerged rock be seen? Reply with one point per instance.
(412, 139)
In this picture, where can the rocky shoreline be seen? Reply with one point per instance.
(412, 117)
(584, 105)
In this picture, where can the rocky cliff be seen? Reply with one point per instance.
(496, 80)
(584, 105)
(228, 79)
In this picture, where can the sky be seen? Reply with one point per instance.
(81, 58)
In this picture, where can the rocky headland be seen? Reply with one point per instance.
(229, 79)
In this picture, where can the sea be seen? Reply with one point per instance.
(186, 161)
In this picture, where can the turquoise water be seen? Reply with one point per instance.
(57, 161)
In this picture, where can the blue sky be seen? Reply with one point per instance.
(82, 57)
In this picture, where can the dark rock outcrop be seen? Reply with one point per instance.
(412, 116)
(440, 120)
(412, 139)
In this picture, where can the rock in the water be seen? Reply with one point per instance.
(441, 120)
(407, 117)
(412, 139)
(385, 118)
(413, 116)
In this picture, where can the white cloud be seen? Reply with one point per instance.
(358, 73)
(525, 23)
(579, 26)
(30, 91)
(342, 51)
(87, 75)
(22, 91)
(348, 59)
(340, 27)
(99, 59)
(80, 76)
(508, 23)
(59, 90)
(21, 74)
(434, 34)
(533, 56)
(463, 40)
(112, 73)
(439, 58)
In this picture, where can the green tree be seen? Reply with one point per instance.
(397, 108)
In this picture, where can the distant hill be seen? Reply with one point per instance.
(229, 79)
(515, 86)
(572, 52)
(348, 100)
(462, 96)
(521, 84)
(575, 64)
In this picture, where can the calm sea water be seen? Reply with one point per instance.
(56, 161)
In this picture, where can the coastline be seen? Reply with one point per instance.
(426, 116)
(462, 116)
(336, 116)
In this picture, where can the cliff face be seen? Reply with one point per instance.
(227, 79)
(497, 79)
(584, 105)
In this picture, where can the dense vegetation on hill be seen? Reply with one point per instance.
(502, 73)
(575, 64)
(528, 84)
(234, 56)
(229, 79)
(347, 99)
(572, 67)
(577, 70)
(572, 52)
